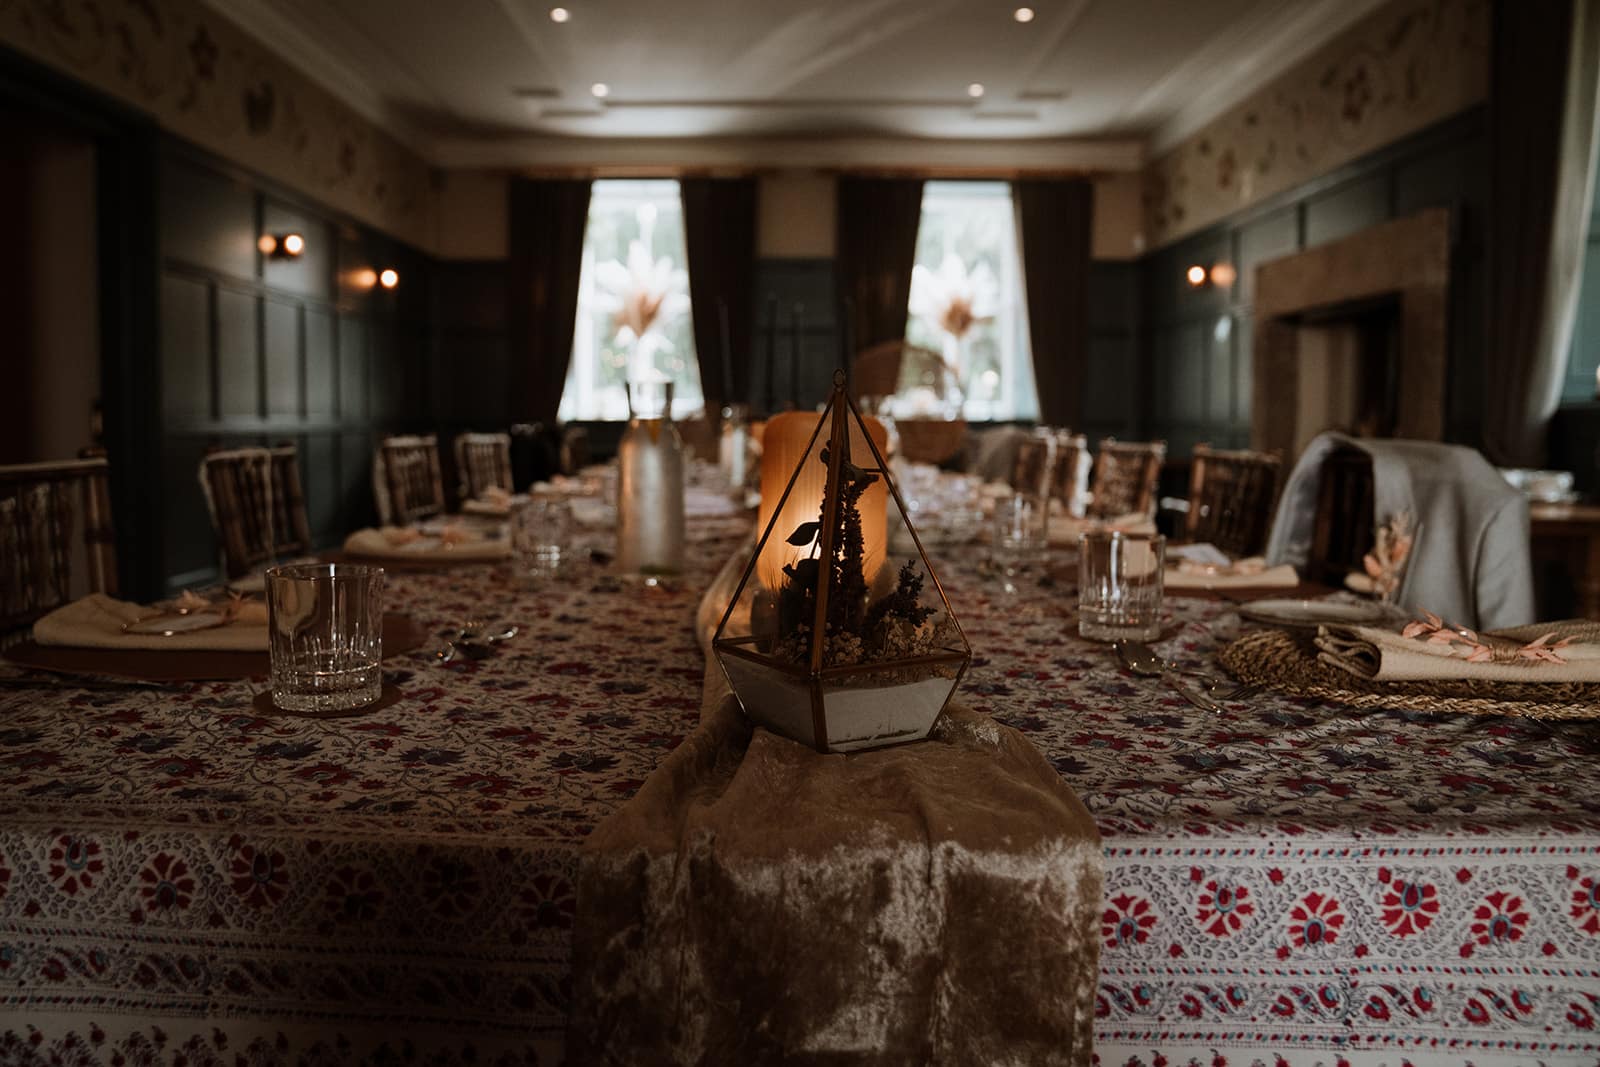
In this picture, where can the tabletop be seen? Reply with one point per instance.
(1285, 875)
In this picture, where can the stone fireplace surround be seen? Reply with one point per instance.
(1405, 259)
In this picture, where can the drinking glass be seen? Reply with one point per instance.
(1020, 548)
(541, 530)
(1120, 585)
(325, 635)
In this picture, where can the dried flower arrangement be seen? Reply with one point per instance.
(895, 627)
(1386, 563)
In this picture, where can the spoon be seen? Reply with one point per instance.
(1142, 661)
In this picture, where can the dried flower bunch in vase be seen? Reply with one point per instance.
(824, 641)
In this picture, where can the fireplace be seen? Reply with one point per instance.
(1352, 336)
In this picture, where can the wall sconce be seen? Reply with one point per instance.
(1224, 275)
(281, 245)
(389, 278)
(1196, 276)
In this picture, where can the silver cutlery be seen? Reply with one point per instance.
(1142, 661)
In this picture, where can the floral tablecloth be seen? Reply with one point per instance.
(183, 878)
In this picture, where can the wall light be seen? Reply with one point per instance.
(1196, 276)
(389, 278)
(1224, 275)
(365, 278)
(281, 245)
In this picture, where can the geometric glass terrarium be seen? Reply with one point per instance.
(827, 640)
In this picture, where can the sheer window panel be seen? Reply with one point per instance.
(968, 262)
(634, 259)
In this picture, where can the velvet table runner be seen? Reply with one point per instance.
(756, 902)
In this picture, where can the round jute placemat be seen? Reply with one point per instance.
(1289, 664)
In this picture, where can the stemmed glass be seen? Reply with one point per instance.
(1020, 548)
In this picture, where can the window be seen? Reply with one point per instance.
(967, 305)
(633, 303)
(1583, 358)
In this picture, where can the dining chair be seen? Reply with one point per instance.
(1069, 471)
(875, 371)
(42, 505)
(1231, 498)
(1342, 532)
(699, 436)
(574, 450)
(257, 505)
(483, 460)
(1030, 469)
(1125, 477)
(935, 441)
(406, 479)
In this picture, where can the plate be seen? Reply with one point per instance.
(168, 623)
(1307, 614)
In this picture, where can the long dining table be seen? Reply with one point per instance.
(184, 875)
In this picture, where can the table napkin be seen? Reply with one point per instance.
(389, 542)
(1065, 530)
(96, 621)
(1386, 656)
(1250, 573)
(493, 504)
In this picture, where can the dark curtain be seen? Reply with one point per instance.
(1054, 220)
(546, 222)
(1541, 121)
(876, 248)
(719, 231)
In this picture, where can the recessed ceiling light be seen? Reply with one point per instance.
(559, 14)
(975, 90)
(600, 89)
(1021, 14)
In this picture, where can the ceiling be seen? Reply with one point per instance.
(482, 80)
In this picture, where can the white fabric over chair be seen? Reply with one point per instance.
(1470, 563)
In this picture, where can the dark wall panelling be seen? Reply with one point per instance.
(1111, 380)
(1196, 342)
(258, 350)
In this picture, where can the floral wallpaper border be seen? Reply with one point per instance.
(1408, 65)
(204, 79)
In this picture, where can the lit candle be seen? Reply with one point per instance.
(787, 445)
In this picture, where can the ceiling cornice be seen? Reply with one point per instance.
(821, 153)
(1243, 61)
(312, 58)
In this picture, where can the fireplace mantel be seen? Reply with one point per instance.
(1407, 259)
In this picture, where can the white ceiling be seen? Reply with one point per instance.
(492, 81)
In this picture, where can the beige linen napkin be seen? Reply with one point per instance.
(494, 503)
(96, 621)
(1250, 573)
(393, 543)
(1065, 530)
(1386, 656)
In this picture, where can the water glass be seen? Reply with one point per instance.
(1021, 546)
(1120, 585)
(325, 635)
(541, 530)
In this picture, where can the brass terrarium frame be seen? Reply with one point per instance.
(837, 415)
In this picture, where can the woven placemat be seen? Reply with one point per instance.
(1288, 663)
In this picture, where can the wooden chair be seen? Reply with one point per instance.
(37, 522)
(257, 506)
(483, 460)
(1069, 471)
(406, 479)
(1030, 470)
(1125, 477)
(699, 434)
(935, 441)
(1342, 532)
(1231, 497)
(875, 372)
(574, 450)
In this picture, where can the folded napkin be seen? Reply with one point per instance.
(96, 621)
(392, 542)
(1249, 573)
(593, 511)
(1544, 652)
(1067, 530)
(494, 503)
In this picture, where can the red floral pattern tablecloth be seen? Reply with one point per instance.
(182, 879)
